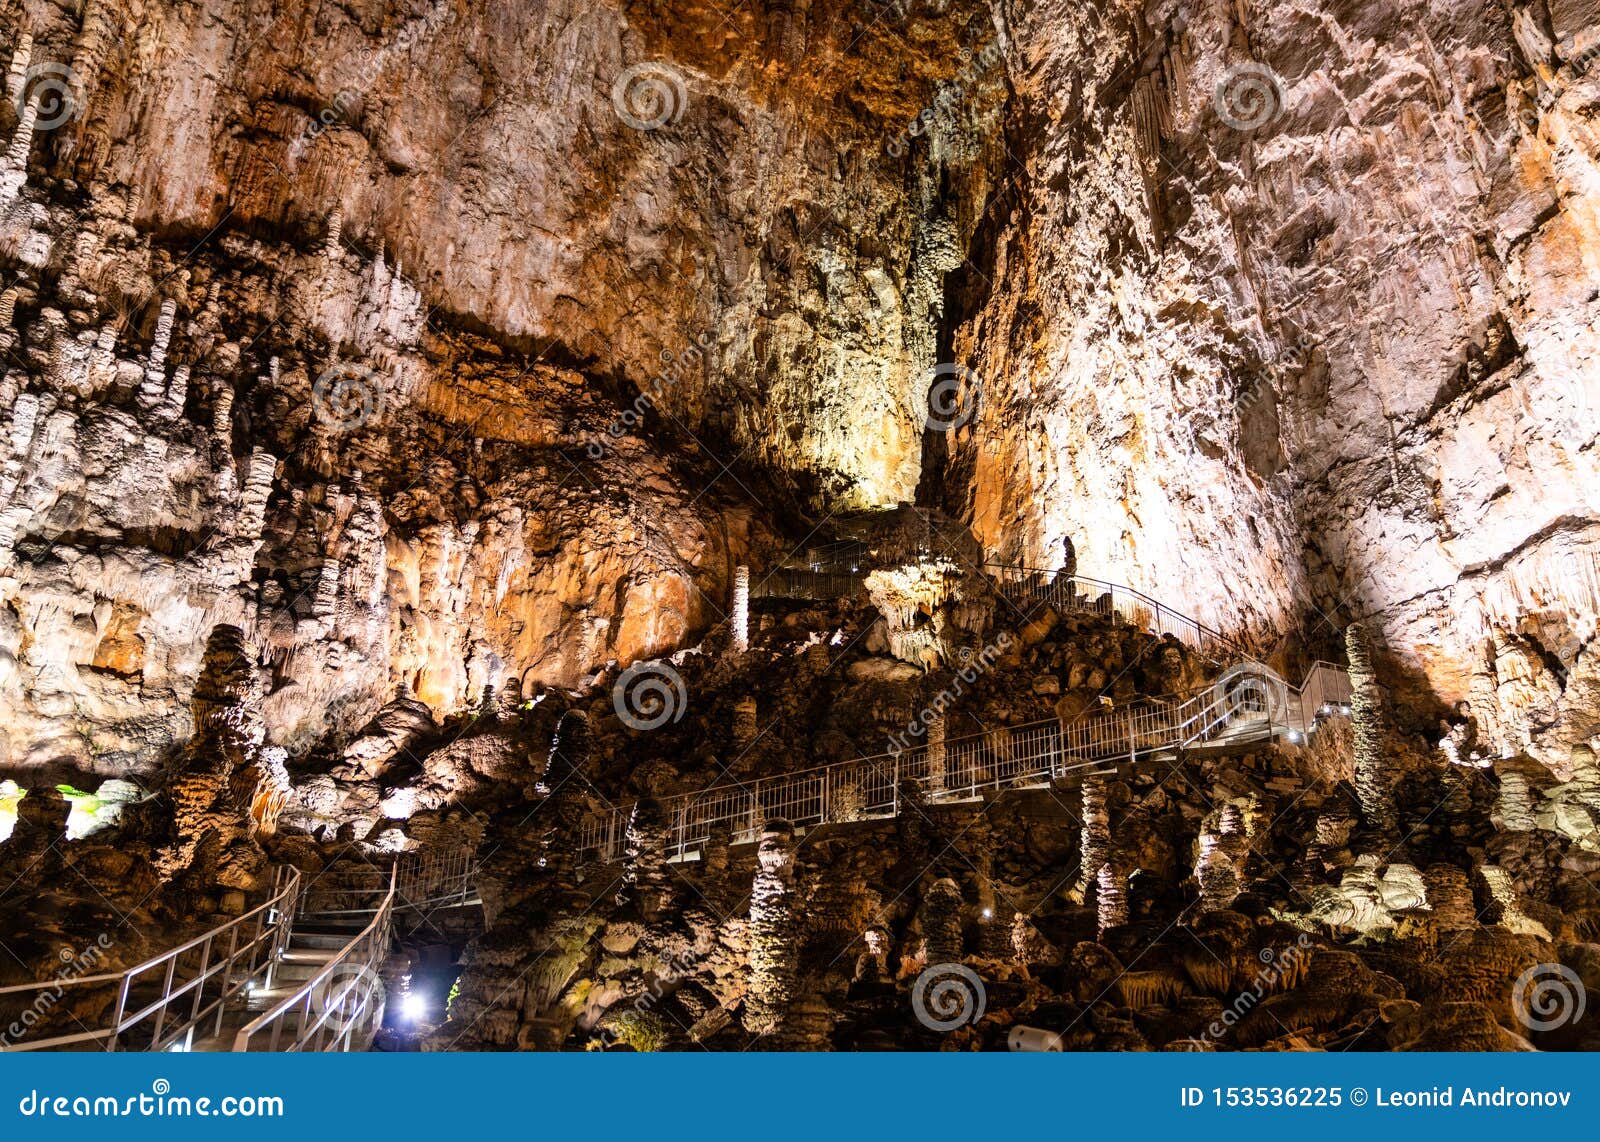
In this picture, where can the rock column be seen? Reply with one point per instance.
(739, 641)
(773, 949)
(1374, 784)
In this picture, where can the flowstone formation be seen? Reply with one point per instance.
(822, 526)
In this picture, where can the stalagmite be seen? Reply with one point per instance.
(1514, 804)
(331, 249)
(14, 167)
(1374, 783)
(326, 599)
(1095, 842)
(941, 923)
(936, 756)
(257, 488)
(1450, 897)
(8, 335)
(163, 336)
(1111, 896)
(744, 720)
(739, 619)
(773, 948)
(17, 70)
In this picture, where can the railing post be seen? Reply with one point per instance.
(122, 1007)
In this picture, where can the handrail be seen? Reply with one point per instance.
(1247, 703)
(343, 998)
(243, 966)
(1043, 585)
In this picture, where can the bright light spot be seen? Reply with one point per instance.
(178, 1048)
(1294, 735)
(10, 796)
(414, 1007)
(988, 913)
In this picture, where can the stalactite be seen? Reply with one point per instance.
(739, 640)
(1373, 781)
(773, 938)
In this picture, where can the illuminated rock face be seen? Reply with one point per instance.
(1342, 361)
(1324, 347)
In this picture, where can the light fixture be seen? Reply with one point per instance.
(414, 1006)
(988, 913)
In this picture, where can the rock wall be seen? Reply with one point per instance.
(1288, 310)
(1284, 314)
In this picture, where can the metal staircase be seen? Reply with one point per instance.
(300, 972)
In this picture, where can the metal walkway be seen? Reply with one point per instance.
(1247, 705)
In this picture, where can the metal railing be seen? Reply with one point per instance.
(1247, 704)
(1030, 588)
(341, 1005)
(162, 1001)
(803, 583)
